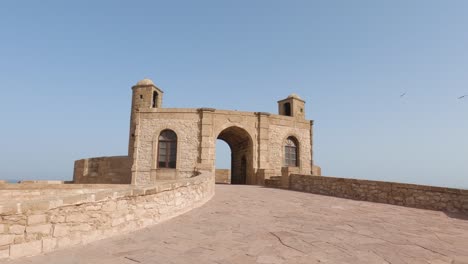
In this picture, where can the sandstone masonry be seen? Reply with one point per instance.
(32, 223)
(176, 143)
(411, 195)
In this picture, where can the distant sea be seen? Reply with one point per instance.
(17, 180)
(10, 180)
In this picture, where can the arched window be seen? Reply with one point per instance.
(291, 153)
(167, 149)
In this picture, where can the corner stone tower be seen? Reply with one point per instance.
(145, 95)
(292, 106)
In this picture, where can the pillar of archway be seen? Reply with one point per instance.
(207, 146)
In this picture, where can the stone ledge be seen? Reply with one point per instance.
(410, 195)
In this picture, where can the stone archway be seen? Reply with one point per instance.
(241, 145)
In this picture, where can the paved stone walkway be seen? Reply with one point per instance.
(251, 224)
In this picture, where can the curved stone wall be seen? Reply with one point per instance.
(103, 170)
(78, 216)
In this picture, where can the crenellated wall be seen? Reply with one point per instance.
(410, 195)
(33, 223)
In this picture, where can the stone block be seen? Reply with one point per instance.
(61, 230)
(77, 218)
(118, 221)
(57, 219)
(2, 229)
(17, 229)
(20, 239)
(109, 206)
(77, 199)
(26, 249)
(122, 204)
(82, 227)
(8, 209)
(36, 206)
(6, 239)
(93, 208)
(39, 229)
(68, 241)
(49, 244)
(37, 219)
(4, 252)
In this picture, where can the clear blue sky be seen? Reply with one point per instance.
(66, 68)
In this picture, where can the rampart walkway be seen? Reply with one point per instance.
(250, 224)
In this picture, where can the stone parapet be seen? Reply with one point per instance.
(103, 170)
(36, 226)
(223, 176)
(410, 195)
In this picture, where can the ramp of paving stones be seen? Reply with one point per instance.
(251, 224)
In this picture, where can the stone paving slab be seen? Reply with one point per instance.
(251, 224)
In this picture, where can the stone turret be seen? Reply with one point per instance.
(292, 106)
(145, 95)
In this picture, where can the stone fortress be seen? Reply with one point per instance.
(170, 170)
(176, 143)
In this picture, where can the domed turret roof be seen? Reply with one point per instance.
(145, 82)
(294, 96)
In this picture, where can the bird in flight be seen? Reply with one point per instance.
(403, 94)
(463, 96)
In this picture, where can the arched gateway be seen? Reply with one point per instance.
(241, 145)
(172, 143)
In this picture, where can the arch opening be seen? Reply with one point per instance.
(287, 109)
(241, 147)
(155, 99)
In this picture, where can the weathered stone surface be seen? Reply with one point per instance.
(116, 170)
(419, 196)
(61, 230)
(77, 217)
(67, 241)
(49, 244)
(6, 239)
(37, 219)
(223, 176)
(41, 229)
(257, 142)
(17, 229)
(251, 224)
(4, 252)
(72, 224)
(26, 249)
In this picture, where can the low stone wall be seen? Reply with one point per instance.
(103, 170)
(43, 182)
(316, 170)
(410, 195)
(223, 176)
(35, 226)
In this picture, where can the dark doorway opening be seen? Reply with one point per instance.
(287, 109)
(241, 146)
